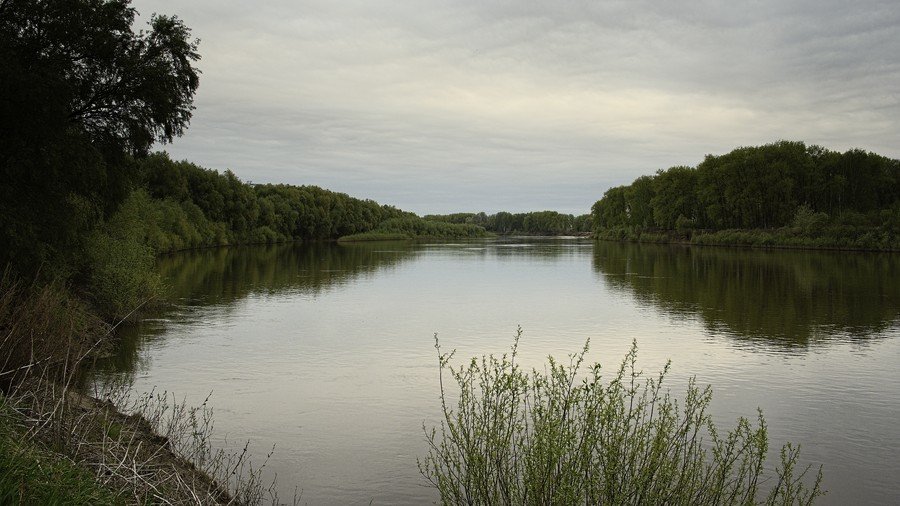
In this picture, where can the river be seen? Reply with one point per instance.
(327, 350)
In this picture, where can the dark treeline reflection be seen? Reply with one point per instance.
(524, 248)
(793, 298)
(222, 276)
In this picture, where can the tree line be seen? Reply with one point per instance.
(83, 99)
(534, 223)
(783, 184)
(190, 206)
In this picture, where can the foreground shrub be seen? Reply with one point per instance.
(563, 436)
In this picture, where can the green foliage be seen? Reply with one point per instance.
(583, 223)
(568, 436)
(185, 206)
(809, 221)
(374, 236)
(414, 227)
(163, 225)
(790, 194)
(612, 210)
(122, 275)
(639, 198)
(81, 93)
(674, 197)
(535, 223)
(120, 87)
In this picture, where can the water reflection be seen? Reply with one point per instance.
(224, 275)
(327, 351)
(792, 298)
(220, 277)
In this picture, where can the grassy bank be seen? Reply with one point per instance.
(375, 236)
(61, 446)
(31, 473)
(837, 237)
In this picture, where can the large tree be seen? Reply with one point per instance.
(81, 93)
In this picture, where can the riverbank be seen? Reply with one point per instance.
(117, 446)
(31, 473)
(63, 446)
(841, 239)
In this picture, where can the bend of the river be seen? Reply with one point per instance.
(327, 350)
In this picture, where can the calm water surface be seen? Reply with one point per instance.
(327, 351)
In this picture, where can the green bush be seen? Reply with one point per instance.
(809, 221)
(566, 436)
(417, 227)
(122, 274)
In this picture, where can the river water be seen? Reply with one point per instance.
(327, 351)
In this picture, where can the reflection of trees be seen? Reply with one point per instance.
(536, 248)
(220, 276)
(793, 297)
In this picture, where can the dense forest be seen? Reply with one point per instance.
(533, 223)
(786, 193)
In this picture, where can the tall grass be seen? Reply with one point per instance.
(566, 435)
(42, 327)
(33, 474)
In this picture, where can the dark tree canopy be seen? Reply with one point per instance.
(81, 93)
(118, 86)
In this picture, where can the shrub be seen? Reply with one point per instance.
(122, 274)
(809, 221)
(554, 437)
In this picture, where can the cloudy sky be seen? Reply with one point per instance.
(442, 106)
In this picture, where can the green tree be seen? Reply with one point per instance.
(121, 87)
(674, 196)
(81, 93)
(611, 210)
(638, 201)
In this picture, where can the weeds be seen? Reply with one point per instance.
(139, 449)
(187, 432)
(566, 436)
(32, 474)
(43, 327)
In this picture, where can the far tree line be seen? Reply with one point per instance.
(764, 187)
(537, 222)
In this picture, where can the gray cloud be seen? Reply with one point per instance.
(447, 106)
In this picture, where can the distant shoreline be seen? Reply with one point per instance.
(782, 239)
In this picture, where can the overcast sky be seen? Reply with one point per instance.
(442, 106)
